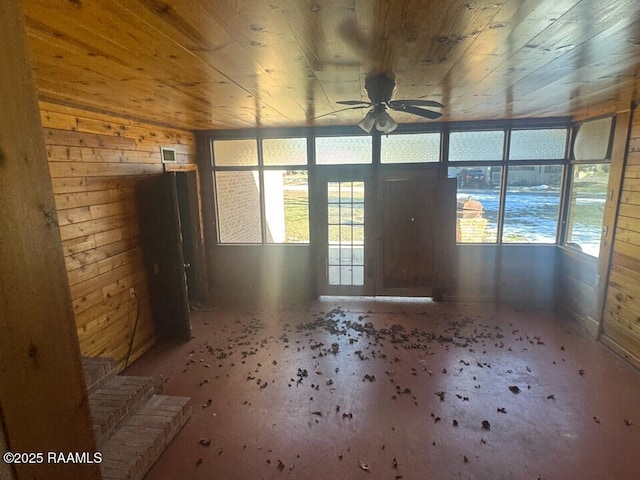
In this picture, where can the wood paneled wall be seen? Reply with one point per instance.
(95, 162)
(577, 288)
(621, 317)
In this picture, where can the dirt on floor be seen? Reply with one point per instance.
(381, 389)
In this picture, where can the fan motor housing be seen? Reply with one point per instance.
(380, 88)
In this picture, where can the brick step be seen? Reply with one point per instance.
(142, 437)
(98, 371)
(114, 401)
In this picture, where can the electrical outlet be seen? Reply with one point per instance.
(132, 292)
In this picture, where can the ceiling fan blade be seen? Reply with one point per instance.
(397, 104)
(354, 102)
(420, 112)
(341, 110)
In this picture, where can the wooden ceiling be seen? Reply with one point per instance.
(218, 64)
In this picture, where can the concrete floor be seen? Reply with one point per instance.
(348, 389)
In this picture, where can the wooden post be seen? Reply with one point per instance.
(43, 397)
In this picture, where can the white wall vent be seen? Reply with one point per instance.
(168, 155)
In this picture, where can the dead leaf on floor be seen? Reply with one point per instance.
(455, 423)
(207, 403)
(628, 422)
(441, 395)
(280, 465)
(205, 442)
(551, 397)
(363, 466)
(486, 425)
(582, 372)
(395, 462)
(514, 389)
(466, 460)
(502, 410)
(198, 462)
(596, 419)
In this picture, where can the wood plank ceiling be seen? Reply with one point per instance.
(217, 64)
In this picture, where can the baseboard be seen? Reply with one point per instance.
(590, 325)
(620, 350)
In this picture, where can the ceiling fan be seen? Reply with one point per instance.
(380, 88)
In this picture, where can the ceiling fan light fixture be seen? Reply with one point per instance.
(384, 123)
(368, 121)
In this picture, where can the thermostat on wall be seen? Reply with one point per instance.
(168, 155)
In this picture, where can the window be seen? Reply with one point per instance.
(586, 207)
(345, 203)
(532, 204)
(589, 184)
(343, 150)
(238, 200)
(262, 197)
(286, 206)
(284, 151)
(235, 153)
(593, 139)
(476, 145)
(548, 144)
(411, 148)
(478, 203)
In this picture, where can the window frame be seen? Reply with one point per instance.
(572, 164)
(444, 163)
(259, 136)
(505, 162)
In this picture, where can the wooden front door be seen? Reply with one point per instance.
(416, 237)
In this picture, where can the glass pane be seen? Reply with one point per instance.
(532, 204)
(358, 213)
(334, 214)
(334, 275)
(345, 192)
(334, 255)
(284, 151)
(345, 275)
(346, 239)
(238, 201)
(412, 148)
(592, 139)
(546, 144)
(586, 211)
(343, 150)
(358, 191)
(358, 234)
(476, 145)
(333, 192)
(235, 153)
(286, 206)
(345, 234)
(358, 275)
(478, 203)
(334, 233)
(358, 255)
